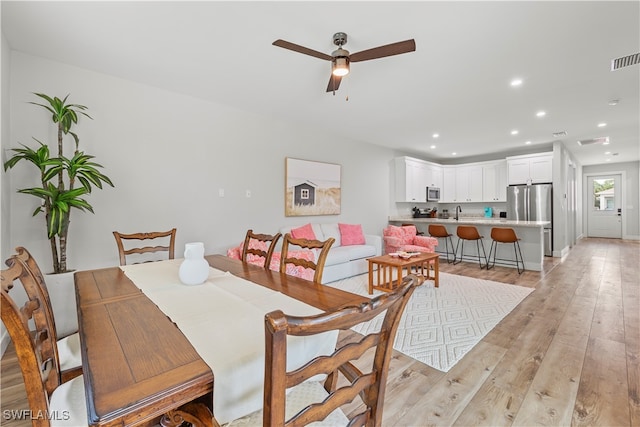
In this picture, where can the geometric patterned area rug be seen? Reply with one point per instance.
(440, 325)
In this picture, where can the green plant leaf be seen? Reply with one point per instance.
(58, 175)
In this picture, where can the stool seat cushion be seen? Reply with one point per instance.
(503, 235)
(468, 232)
(437, 230)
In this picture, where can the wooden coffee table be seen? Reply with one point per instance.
(384, 279)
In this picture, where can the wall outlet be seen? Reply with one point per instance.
(221, 192)
(248, 193)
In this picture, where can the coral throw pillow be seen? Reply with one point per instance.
(304, 232)
(351, 234)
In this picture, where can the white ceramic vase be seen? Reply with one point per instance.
(194, 270)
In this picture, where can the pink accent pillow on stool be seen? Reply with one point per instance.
(351, 234)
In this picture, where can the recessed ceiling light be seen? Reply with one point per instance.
(606, 142)
(436, 135)
(514, 132)
(432, 147)
(601, 125)
(528, 143)
(614, 102)
(607, 152)
(454, 154)
(516, 82)
(541, 113)
(608, 160)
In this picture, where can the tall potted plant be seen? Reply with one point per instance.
(64, 181)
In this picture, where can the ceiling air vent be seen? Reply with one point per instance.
(559, 134)
(601, 140)
(625, 61)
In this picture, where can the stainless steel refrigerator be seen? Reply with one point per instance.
(532, 203)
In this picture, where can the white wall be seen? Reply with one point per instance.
(168, 155)
(5, 180)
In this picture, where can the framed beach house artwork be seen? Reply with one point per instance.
(311, 188)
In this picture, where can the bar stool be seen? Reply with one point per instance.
(505, 235)
(440, 231)
(469, 232)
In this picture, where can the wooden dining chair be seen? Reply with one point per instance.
(266, 243)
(319, 248)
(68, 347)
(57, 403)
(141, 239)
(310, 401)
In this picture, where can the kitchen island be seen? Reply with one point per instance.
(530, 233)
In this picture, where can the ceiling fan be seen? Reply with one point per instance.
(340, 58)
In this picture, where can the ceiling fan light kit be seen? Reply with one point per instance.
(340, 66)
(340, 58)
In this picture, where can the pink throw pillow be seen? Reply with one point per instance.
(351, 234)
(304, 232)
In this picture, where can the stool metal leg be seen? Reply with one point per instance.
(448, 240)
(454, 253)
(458, 259)
(493, 249)
(517, 244)
(516, 250)
(486, 261)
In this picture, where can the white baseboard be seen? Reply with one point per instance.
(631, 237)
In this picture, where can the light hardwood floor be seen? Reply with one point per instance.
(569, 354)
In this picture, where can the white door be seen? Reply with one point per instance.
(604, 208)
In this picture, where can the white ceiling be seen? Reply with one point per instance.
(456, 83)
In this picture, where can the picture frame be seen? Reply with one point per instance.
(312, 188)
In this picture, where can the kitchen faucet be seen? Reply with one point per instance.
(458, 209)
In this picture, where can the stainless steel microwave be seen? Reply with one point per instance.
(433, 194)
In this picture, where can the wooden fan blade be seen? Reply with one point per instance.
(334, 83)
(382, 51)
(301, 49)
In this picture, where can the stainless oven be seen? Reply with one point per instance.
(433, 194)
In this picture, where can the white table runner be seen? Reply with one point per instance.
(224, 321)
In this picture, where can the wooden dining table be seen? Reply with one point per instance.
(139, 367)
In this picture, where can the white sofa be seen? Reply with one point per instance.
(343, 261)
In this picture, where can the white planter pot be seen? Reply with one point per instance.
(63, 300)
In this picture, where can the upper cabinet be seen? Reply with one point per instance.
(468, 183)
(413, 176)
(461, 183)
(448, 190)
(530, 169)
(434, 175)
(479, 182)
(494, 181)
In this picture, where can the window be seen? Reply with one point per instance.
(304, 193)
(603, 194)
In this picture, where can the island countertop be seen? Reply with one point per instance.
(495, 222)
(530, 235)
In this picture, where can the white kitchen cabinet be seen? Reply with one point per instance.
(413, 176)
(411, 180)
(469, 184)
(461, 183)
(434, 175)
(530, 169)
(448, 189)
(494, 182)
